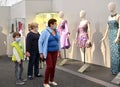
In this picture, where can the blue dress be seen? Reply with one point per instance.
(114, 48)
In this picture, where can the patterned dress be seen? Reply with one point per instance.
(63, 30)
(114, 48)
(82, 35)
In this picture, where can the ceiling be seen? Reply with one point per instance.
(8, 2)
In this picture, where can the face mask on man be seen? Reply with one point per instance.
(18, 39)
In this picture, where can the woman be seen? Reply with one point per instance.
(49, 47)
(32, 51)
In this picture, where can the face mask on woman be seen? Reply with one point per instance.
(18, 39)
(36, 30)
(54, 27)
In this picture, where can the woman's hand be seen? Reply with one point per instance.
(41, 56)
(59, 54)
(27, 54)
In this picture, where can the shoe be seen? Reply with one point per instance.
(39, 75)
(24, 80)
(46, 85)
(53, 83)
(20, 82)
(30, 77)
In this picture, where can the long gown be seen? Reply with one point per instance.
(63, 30)
(114, 48)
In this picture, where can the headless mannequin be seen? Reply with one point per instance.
(82, 22)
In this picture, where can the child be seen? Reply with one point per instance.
(17, 57)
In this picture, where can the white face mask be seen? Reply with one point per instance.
(54, 27)
(18, 39)
(36, 30)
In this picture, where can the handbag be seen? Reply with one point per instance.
(89, 44)
(67, 44)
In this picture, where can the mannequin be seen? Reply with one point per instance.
(83, 34)
(64, 34)
(113, 28)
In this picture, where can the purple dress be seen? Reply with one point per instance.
(63, 30)
(82, 35)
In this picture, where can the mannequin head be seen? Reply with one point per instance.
(61, 14)
(82, 14)
(111, 6)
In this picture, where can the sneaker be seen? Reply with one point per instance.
(24, 80)
(20, 82)
(46, 85)
(39, 75)
(53, 83)
(30, 77)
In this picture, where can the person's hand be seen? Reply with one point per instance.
(41, 56)
(19, 62)
(59, 54)
(27, 54)
(116, 40)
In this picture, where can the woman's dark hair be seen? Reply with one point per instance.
(16, 34)
(51, 21)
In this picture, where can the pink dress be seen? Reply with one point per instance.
(82, 35)
(63, 30)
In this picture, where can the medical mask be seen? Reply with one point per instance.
(54, 27)
(36, 30)
(18, 39)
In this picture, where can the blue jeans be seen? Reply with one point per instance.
(33, 62)
(18, 72)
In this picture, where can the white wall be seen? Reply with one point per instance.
(18, 10)
(4, 17)
(33, 7)
(97, 14)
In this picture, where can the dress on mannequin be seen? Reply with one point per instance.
(82, 35)
(63, 30)
(113, 28)
(114, 48)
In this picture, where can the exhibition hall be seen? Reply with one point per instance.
(59, 43)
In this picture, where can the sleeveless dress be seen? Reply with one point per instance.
(63, 30)
(82, 35)
(114, 48)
